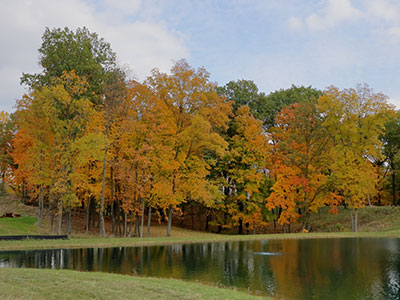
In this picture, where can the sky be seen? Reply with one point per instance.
(272, 42)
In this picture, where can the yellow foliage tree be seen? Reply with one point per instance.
(355, 119)
(188, 111)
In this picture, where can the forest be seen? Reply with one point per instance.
(177, 147)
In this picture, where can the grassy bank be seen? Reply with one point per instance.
(90, 242)
(63, 284)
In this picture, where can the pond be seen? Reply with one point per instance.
(350, 268)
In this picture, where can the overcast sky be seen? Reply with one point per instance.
(275, 43)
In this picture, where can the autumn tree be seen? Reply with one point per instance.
(300, 164)
(355, 119)
(52, 119)
(242, 170)
(190, 111)
(33, 147)
(6, 135)
(113, 94)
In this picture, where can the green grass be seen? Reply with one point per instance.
(63, 284)
(14, 226)
(370, 219)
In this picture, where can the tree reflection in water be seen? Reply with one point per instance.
(307, 269)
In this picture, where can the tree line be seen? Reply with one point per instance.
(85, 137)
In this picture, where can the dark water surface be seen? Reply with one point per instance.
(353, 268)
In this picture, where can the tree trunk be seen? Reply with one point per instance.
(208, 219)
(137, 225)
(40, 214)
(125, 224)
(181, 223)
(356, 221)
(3, 184)
(148, 221)
(169, 221)
(51, 210)
(130, 226)
(112, 201)
(394, 194)
(142, 220)
(88, 215)
(113, 217)
(240, 231)
(352, 220)
(60, 216)
(103, 183)
(68, 223)
(192, 217)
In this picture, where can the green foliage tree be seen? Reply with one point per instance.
(242, 92)
(242, 172)
(271, 105)
(391, 144)
(83, 52)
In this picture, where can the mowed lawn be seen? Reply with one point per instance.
(16, 226)
(63, 284)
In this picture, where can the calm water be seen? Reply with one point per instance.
(287, 269)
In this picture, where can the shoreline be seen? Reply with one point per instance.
(108, 242)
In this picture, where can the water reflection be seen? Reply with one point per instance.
(305, 269)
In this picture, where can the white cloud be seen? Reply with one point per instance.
(142, 45)
(384, 15)
(386, 10)
(295, 23)
(394, 33)
(122, 6)
(335, 12)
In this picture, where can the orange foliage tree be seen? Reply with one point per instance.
(300, 164)
(6, 135)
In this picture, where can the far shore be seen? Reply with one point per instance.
(186, 237)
